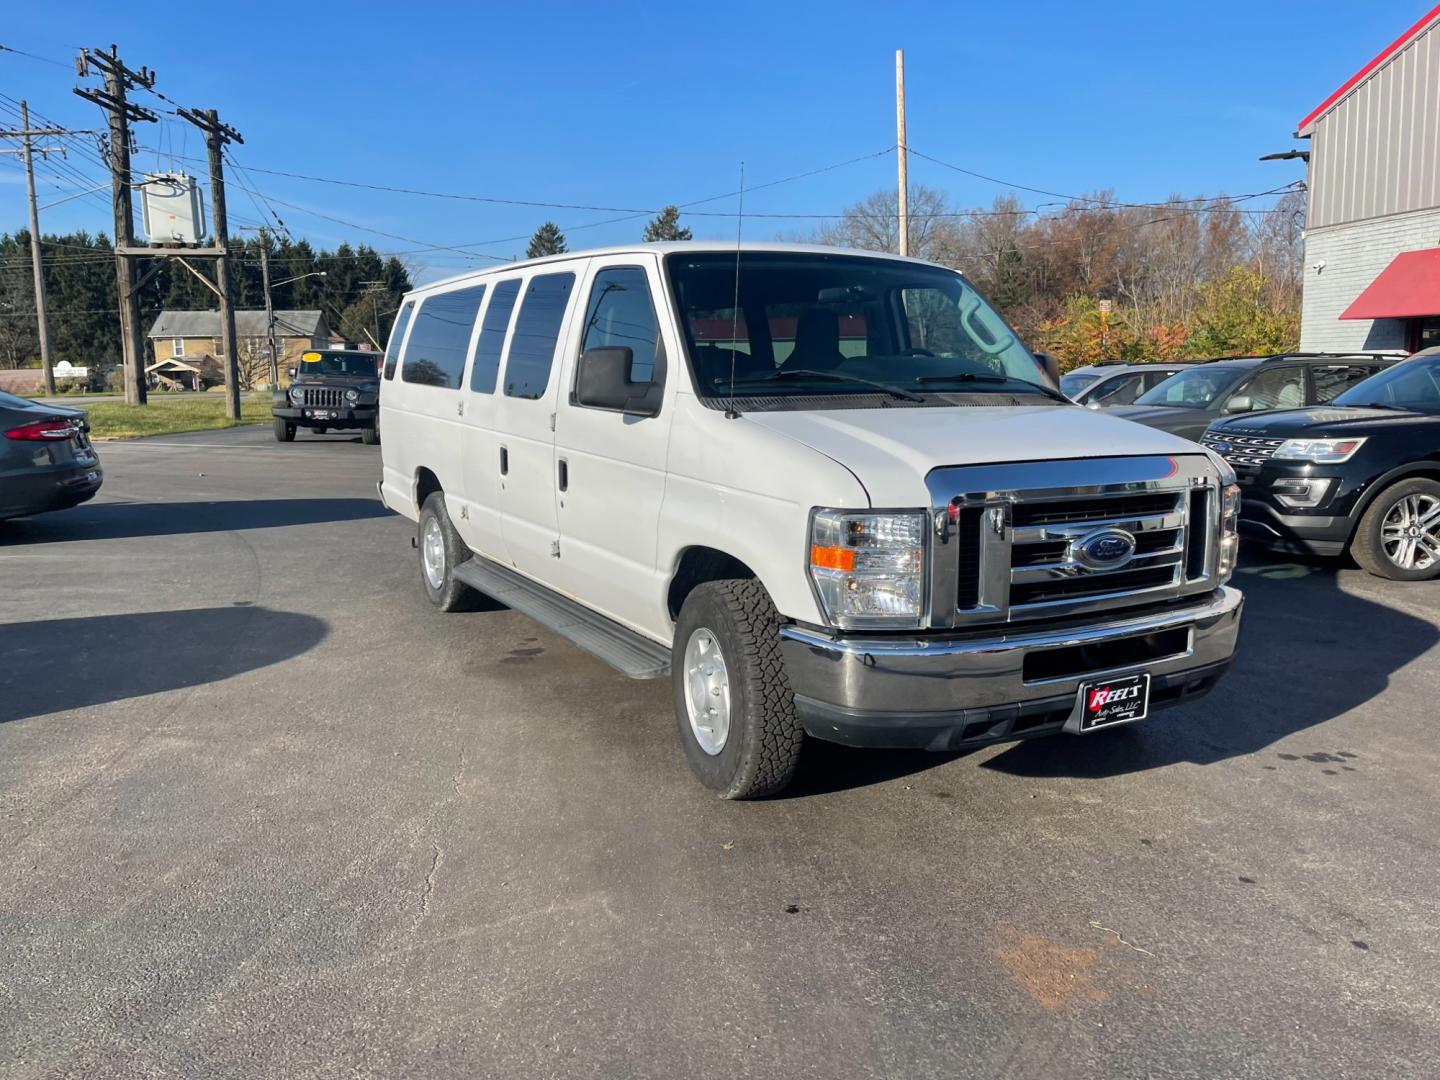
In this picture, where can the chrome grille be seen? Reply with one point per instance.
(324, 397)
(1241, 449)
(1018, 542)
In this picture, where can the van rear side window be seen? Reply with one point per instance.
(537, 328)
(397, 335)
(492, 336)
(435, 353)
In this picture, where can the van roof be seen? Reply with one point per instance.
(669, 247)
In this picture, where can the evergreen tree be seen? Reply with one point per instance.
(666, 226)
(1009, 285)
(548, 240)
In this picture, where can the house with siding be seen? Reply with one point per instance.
(1372, 230)
(188, 346)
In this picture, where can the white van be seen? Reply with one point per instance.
(827, 492)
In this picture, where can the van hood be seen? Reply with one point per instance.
(890, 451)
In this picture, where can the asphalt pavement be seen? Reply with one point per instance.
(264, 813)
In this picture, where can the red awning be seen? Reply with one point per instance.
(1408, 288)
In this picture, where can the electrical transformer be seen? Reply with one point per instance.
(174, 210)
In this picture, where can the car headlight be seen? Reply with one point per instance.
(1317, 451)
(1229, 531)
(869, 568)
(297, 395)
(352, 396)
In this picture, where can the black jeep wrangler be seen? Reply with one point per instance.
(333, 388)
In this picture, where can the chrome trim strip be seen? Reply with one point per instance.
(1069, 570)
(1036, 534)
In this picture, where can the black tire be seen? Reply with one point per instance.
(284, 431)
(370, 436)
(762, 749)
(1368, 547)
(447, 593)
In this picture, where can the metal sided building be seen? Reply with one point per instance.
(1372, 237)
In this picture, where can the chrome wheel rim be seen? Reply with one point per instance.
(707, 691)
(1410, 533)
(432, 554)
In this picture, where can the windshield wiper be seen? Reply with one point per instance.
(837, 376)
(972, 376)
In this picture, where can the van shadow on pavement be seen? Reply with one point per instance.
(60, 664)
(114, 520)
(1308, 652)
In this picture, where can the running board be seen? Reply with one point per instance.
(619, 646)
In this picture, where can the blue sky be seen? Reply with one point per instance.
(640, 104)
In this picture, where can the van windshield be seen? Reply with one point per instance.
(809, 325)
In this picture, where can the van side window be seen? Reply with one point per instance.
(397, 335)
(492, 336)
(435, 353)
(621, 315)
(537, 328)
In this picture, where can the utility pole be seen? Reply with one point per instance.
(900, 148)
(119, 79)
(27, 152)
(216, 136)
(269, 308)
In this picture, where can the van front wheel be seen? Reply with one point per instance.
(733, 702)
(441, 550)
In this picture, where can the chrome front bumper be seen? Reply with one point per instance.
(946, 691)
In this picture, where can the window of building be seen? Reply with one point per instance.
(435, 353)
(537, 328)
(621, 315)
(217, 346)
(177, 346)
(397, 335)
(492, 336)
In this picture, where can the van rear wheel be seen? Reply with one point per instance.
(441, 551)
(733, 703)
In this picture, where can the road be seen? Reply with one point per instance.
(263, 812)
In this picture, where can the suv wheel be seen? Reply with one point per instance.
(370, 436)
(733, 702)
(1399, 535)
(284, 432)
(441, 550)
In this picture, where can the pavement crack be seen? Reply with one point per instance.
(459, 774)
(438, 856)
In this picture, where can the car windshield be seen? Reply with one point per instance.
(1414, 384)
(1193, 389)
(841, 325)
(1073, 382)
(352, 364)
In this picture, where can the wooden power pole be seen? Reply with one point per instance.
(904, 184)
(216, 136)
(119, 79)
(27, 153)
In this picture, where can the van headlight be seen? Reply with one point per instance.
(868, 568)
(1229, 531)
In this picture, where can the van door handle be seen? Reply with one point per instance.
(564, 475)
(504, 461)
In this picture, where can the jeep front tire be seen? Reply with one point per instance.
(733, 702)
(284, 430)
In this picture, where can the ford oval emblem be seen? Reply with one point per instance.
(1104, 549)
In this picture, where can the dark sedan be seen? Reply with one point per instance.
(1187, 403)
(46, 460)
(1362, 473)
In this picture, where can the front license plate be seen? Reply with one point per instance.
(1114, 701)
(321, 414)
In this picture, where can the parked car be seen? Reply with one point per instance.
(1361, 473)
(1109, 384)
(825, 492)
(46, 460)
(1191, 400)
(333, 390)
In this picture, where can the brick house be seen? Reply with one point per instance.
(188, 347)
